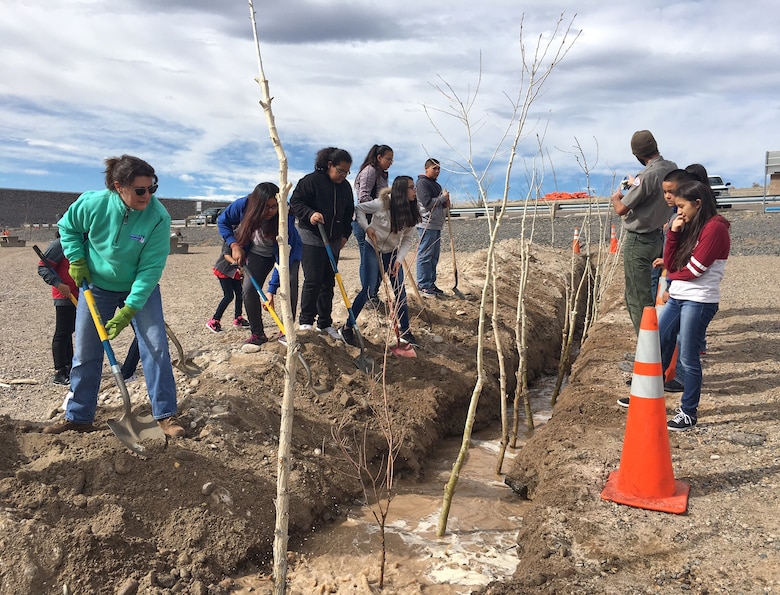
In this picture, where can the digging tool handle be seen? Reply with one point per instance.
(101, 330)
(332, 259)
(452, 250)
(264, 299)
(45, 262)
(344, 296)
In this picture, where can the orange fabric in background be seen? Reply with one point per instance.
(564, 195)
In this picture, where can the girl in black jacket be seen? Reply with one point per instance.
(322, 197)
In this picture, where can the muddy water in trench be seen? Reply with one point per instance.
(479, 546)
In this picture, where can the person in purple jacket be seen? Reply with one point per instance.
(370, 181)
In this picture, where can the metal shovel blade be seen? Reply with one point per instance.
(134, 430)
(364, 363)
(318, 389)
(185, 365)
(131, 429)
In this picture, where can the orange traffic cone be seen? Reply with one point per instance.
(613, 245)
(575, 244)
(671, 371)
(645, 478)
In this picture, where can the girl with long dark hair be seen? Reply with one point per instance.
(249, 226)
(391, 233)
(697, 246)
(370, 181)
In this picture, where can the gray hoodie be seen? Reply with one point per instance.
(431, 203)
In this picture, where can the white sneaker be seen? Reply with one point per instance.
(332, 332)
(305, 327)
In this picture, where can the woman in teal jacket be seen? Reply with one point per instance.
(118, 240)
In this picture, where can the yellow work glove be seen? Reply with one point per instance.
(79, 270)
(119, 321)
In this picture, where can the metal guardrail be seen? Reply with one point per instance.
(579, 205)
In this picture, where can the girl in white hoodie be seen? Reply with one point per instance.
(392, 233)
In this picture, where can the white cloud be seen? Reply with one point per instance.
(173, 82)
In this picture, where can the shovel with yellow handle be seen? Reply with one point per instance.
(131, 429)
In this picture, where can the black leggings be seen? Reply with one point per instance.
(318, 283)
(260, 267)
(62, 342)
(230, 288)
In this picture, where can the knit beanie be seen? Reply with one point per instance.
(643, 144)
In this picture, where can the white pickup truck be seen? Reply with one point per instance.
(719, 188)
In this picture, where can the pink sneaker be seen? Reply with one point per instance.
(214, 326)
(240, 321)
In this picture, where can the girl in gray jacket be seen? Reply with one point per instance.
(391, 233)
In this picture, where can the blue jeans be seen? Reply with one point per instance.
(684, 323)
(428, 257)
(132, 358)
(401, 309)
(149, 327)
(655, 278)
(360, 237)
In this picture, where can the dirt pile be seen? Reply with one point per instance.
(729, 540)
(79, 511)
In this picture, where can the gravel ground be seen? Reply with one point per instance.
(570, 541)
(752, 233)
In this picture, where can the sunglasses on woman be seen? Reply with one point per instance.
(141, 191)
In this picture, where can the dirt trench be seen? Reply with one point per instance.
(80, 512)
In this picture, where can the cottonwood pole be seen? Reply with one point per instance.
(547, 56)
(287, 414)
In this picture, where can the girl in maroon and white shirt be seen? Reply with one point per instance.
(697, 246)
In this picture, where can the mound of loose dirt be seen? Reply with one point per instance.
(728, 541)
(80, 511)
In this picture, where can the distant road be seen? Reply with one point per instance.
(580, 205)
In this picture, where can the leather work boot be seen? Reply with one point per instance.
(65, 425)
(171, 427)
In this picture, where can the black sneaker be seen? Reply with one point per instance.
(256, 340)
(429, 293)
(348, 335)
(673, 386)
(61, 377)
(681, 422)
(623, 401)
(408, 339)
(437, 290)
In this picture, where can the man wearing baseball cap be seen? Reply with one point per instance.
(644, 213)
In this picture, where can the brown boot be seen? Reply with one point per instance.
(171, 427)
(65, 425)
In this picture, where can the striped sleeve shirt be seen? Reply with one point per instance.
(699, 280)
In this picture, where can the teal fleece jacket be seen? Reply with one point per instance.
(125, 249)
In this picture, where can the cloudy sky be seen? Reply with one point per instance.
(172, 81)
